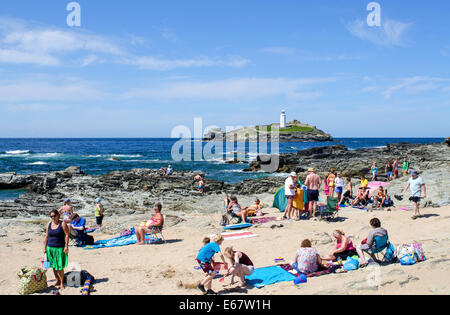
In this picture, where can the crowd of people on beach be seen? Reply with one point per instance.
(66, 225)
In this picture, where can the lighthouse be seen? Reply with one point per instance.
(283, 119)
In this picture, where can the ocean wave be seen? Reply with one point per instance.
(17, 152)
(125, 155)
(37, 163)
(46, 155)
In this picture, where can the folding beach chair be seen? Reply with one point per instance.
(382, 244)
(332, 209)
(157, 230)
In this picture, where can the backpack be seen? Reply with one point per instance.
(76, 279)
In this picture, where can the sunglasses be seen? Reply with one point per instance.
(53, 216)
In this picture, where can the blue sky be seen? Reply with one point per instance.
(141, 68)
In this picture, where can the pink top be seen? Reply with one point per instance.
(349, 245)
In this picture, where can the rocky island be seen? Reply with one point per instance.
(293, 131)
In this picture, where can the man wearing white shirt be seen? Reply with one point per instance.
(416, 184)
(290, 191)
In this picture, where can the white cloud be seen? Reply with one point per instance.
(415, 85)
(390, 33)
(232, 89)
(152, 63)
(278, 50)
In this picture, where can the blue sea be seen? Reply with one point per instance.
(100, 156)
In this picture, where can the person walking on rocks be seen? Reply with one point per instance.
(416, 184)
(290, 192)
(389, 171)
(313, 182)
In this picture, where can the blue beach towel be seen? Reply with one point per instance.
(269, 275)
(122, 241)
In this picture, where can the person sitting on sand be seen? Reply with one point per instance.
(169, 170)
(163, 171)
(255, 209)
(364, 182)
(206, 262)
(156, 221)
(369, 244)
(236, 209)
(307, 259)
(362, 196)
(380, 197)
(416, 184)
(66, 211)
(241, 265)
(344, 247)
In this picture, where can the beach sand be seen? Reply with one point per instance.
(168, 269)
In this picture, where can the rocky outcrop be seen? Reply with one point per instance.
(125, 192)
(357, 162)
(295, 132)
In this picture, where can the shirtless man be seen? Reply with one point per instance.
(313, 182)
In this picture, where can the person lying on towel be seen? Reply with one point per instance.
(157, 221)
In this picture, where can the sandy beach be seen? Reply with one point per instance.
(168, 269)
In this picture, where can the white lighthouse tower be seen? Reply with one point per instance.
(283, 119)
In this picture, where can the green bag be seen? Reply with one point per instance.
(32, 280)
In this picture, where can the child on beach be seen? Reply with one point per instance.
(99, 212)
(395, 166)
(405, 167)
(380, 197)
(206, 262)
(241, 265)
(389, 171)
(66, 211)
(374, 170)
(326, 188)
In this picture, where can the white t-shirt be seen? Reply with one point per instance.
(415, 185)
(289, 182)
(340, 182)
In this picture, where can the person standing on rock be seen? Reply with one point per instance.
(290, 190)
(374, 170)
(313, 182)
(416, 184)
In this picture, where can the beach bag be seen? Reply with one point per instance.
(90, 240)
(412, 249)
(419, 252)
(32, 280)
(390, 253)
(408, 260)
(351, 264)
(224, 221)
